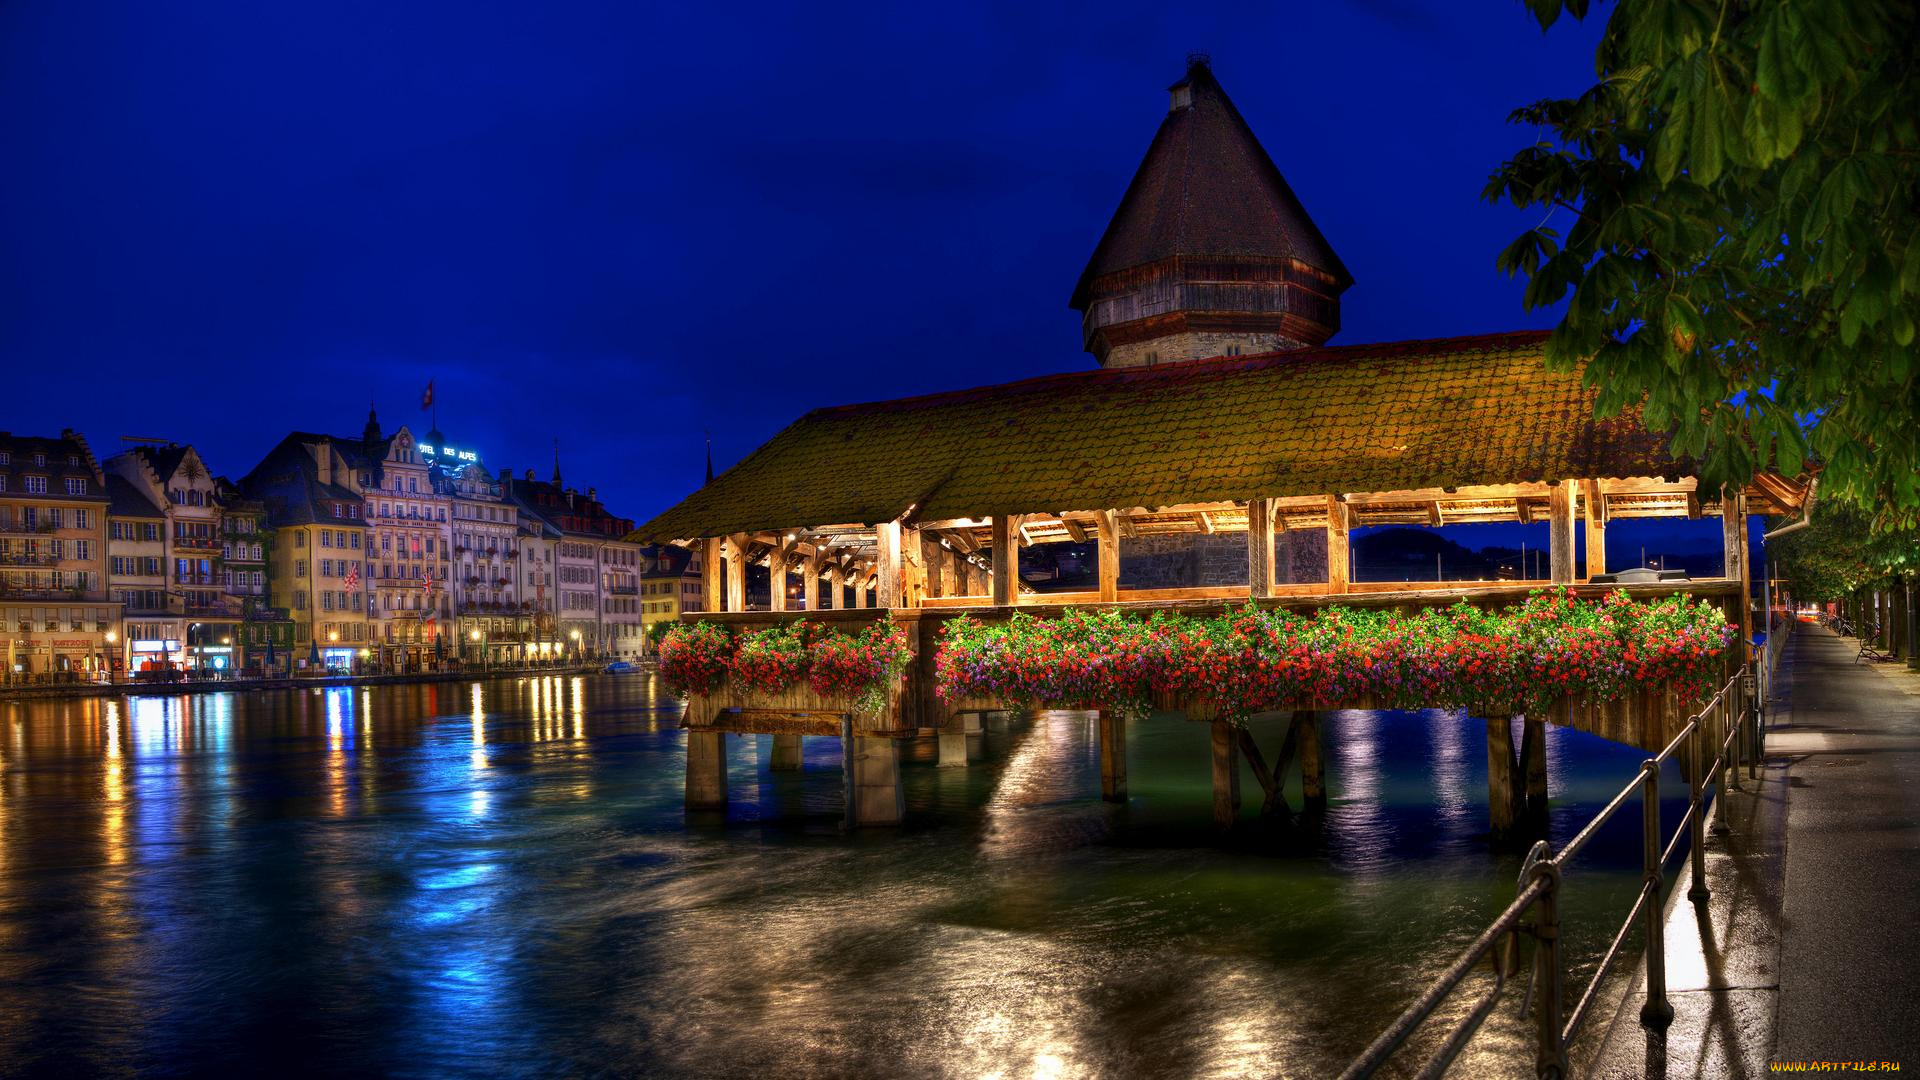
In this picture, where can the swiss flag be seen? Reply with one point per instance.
(426, 399)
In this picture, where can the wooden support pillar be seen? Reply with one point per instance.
(706, 770)
(1533, 761)
(1338, 555)
(1560, 530)
(786, 754)
(951, 583)
(1006, 560)
(835, 598)
(1596, 518)
(1113, 756)
(737, 572)
(810, 585)
(1733, 516)
(892, 568)
(877, 798)
(1503, 795)
(1260, 566)
(1107, 551)
(1313, 770)
(712, 580)
(777, 574)
(862, 597)
(1226, 773)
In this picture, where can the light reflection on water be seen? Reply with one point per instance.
(498, 878)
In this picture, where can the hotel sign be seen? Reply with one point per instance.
(450, 453)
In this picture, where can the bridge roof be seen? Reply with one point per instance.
(1358, 418)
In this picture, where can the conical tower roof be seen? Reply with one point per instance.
(1207, 188)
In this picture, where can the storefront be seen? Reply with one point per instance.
(216, 658)
(79, 654)
(337, 659)
(154, 654)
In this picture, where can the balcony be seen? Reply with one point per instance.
(64, 596)
(623, 590)
(17, 528)
(197, 543)
(218, 605)
(195, 579)
(33, 559)
(167, 605)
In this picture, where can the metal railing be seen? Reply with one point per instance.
(1733, 719)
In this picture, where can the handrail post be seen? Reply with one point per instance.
(1697, 825)
(1657, 1012)
(1730, 713)
(1550, 1053)
(1754, 704)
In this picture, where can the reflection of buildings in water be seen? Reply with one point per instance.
(113, 788)
(339, 705)
(479, 712)
(1453, 798)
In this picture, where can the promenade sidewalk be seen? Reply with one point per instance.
(1807, 950)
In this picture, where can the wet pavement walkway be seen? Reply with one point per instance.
(1807, 949)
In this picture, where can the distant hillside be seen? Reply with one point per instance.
(1410, 554)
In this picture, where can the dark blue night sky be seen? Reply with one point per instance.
(618, 224)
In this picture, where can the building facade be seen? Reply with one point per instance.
(409, 557)
(57, 617)
(669, 585)
(492, 618)
(153, 630)
(595, 569)
(316, 556)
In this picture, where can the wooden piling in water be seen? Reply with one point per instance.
(786, 754)
(706, 770)
(1502, 795)
(1113, 756)
(1313, 777)
(1226, 773)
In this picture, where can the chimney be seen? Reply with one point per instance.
(1182, 91)
(592, 495)
(506, 475)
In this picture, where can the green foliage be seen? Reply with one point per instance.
(1839, 554)
(1744, 249)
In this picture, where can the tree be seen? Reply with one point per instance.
(1838, 555)
(1743, 253)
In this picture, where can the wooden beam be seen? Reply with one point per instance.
(810, 585)
(737, 571)
(712, 581)
(1075, 530)
(1434, 517)
(1693, 505)
(1560, 531)
(1107, 528)
(961, 539)
(891, 569)
(1733, 517)
(1006, 560)
(777, 574)
(835, 597)
(1204, 523)
(1339, 558)
(1596, 518)
(1260, 552)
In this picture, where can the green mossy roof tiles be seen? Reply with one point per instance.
(1357, 418)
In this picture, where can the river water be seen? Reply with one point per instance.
(498, 878)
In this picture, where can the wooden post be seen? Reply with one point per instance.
(1313, 774)
(1560, 530)
(1596, 529)
(1006, 560)
(1260, 548)
(1107, 550)
(1226, 773)
(706, 770)
(737, 572)
(777, 574)
(1113, 756)
(1533, 756)
(786, 754)
(1501, 793)
(1338, 556)
(712, 583)
(892, 585)
(950, 578)
(810, 584)
(835, 598)
(1733, 516)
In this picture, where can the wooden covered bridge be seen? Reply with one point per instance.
(923, 506)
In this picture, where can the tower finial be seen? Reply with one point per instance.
(709, 457)
(556, 462)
